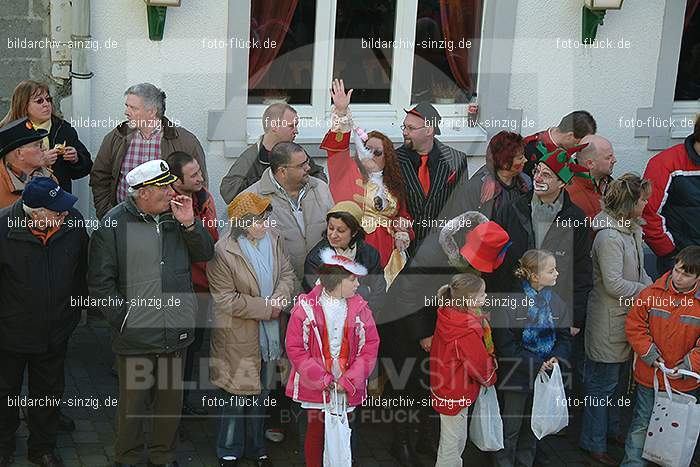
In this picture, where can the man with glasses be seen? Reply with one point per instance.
(299, 202)
(22, 157)
(431, 170)
(280, 124)
(43, 261)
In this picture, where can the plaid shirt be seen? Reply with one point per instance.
(140, 150)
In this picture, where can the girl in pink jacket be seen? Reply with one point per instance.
(332, 343)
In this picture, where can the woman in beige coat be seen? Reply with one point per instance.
(251, 281)
(618, 277)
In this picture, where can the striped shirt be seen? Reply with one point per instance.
(140, 150)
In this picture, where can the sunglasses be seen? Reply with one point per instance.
(40, 100)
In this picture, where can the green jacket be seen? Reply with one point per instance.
(139, 276)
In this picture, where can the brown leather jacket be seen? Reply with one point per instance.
(107, 167)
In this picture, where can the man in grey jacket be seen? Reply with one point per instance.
(139, 275)
(280, 123)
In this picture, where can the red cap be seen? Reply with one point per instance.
(485, 246)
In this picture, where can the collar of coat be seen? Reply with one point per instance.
(164, 218)
(267, 187)
(20, 232)
(523, 206)
(168, 128)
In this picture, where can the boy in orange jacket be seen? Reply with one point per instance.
(663, 326)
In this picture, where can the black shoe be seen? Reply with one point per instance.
(228, 463)
(404, 454)
(65, 423)
(47, 460)
(263, 461)
(192, 410)
(169, 464)
(119, 464)
(6, 460)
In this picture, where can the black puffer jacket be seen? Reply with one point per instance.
(65, 172)
(372, 286)
(37, 282)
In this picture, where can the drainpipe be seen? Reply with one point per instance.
(82, 91)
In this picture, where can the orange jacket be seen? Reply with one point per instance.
(585, 195)
(664, 323)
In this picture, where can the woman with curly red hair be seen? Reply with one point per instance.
(371, 177)
(502, 178)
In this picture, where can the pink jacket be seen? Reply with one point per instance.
(309, 376)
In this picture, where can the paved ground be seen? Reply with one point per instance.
(89, 383)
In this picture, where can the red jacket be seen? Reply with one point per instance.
(674, 205)
(584, 194)
(204, 209)
(459, 363)
(665, 323)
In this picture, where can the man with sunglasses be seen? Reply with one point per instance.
(299, 202)
(22, 157)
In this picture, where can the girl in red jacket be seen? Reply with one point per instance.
(461, 361)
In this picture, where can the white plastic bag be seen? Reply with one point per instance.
(336, 445)
(550, 413)
(673, 427)
(486, 426)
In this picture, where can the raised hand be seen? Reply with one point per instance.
(341, 99)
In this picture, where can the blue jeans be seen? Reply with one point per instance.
(638, 428)
(605, 385)
(242, 428)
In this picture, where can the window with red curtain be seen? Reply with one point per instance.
(446, 51)
(688, 79)
(280, 63)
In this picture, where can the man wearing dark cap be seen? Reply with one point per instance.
(139, 271)
(430, 169)
(21, 158)
(43, 262)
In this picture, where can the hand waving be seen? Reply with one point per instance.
(341, 99)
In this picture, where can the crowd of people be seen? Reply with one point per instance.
(320, 283)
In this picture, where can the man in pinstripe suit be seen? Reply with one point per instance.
(431, 170)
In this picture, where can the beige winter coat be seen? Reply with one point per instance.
(238, 309)
(618, 277)
(314, 206)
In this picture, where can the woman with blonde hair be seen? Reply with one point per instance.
(618, 276)
(65, 154)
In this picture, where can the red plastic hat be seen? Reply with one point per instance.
(485, 246)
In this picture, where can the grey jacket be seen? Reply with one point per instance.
(314, 206)
(248, 169)
(618, 275)
(140, 270)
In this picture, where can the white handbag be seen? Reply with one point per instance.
(550, 413)
(486, 425)
(674, 425)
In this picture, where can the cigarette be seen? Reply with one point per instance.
(175, 202)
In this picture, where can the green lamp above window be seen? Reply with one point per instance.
(155, 10)
(593, 14)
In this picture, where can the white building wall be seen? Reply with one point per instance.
(547, 80)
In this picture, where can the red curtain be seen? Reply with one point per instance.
(689, 11)
(461, 20)
(269, 20)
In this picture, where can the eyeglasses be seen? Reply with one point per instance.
(410, 128)
(40, 100)
(300, 166)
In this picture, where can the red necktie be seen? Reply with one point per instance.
(424, 173)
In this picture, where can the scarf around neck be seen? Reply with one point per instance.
(261, 258)
(539, 334)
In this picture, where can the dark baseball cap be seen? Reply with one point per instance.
(428, 113)
(44, 192)
(17, 133)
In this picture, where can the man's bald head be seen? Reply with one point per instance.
(598, 156)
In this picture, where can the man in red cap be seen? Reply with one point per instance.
(431, 170)
(467, 243)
